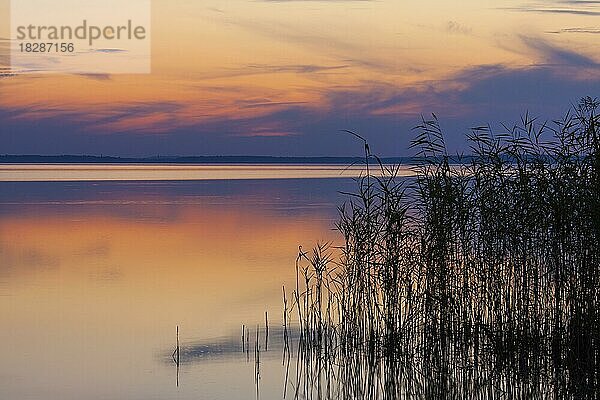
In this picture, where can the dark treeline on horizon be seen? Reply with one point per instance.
(89, 159)
(199, 160)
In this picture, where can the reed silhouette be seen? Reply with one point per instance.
(477, 279)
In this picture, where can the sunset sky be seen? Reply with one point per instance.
(283, 77)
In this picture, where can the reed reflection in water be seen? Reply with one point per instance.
(480, 282)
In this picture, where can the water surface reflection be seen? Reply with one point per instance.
(94, 278)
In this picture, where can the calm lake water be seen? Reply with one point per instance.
(128, 172)
(97, 270)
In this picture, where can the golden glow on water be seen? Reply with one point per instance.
(184, 268)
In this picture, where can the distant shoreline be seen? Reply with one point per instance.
(211, 160)
(193, 160)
